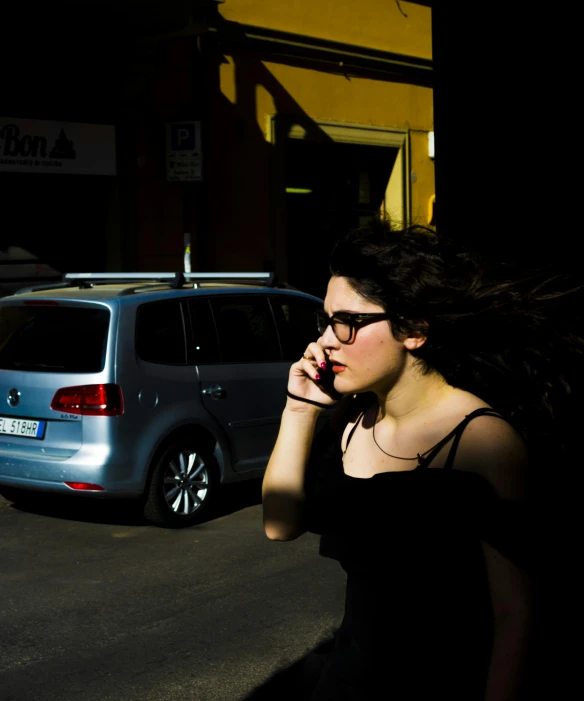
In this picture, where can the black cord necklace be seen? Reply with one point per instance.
(419, 457)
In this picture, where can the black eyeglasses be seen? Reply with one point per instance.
(344, 324)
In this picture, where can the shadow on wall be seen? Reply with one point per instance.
(293, 234)
(256, 174)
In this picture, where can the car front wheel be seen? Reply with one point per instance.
(182, 487)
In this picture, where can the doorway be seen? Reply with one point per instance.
(334, 185)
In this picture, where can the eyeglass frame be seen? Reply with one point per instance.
(353, 320)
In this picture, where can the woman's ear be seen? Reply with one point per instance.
(415, 342)
(417, 336)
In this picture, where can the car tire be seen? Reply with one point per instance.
(183, 486)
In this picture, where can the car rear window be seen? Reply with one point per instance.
(53, 338)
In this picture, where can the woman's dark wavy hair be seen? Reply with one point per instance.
(511, 338)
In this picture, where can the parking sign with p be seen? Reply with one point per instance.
(182, 137)
(183, 151)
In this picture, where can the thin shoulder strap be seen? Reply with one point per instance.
(459, 430)
(456, 433)
(352, 431)
(362, 401)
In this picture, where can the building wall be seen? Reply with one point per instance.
(333, 98)
(161, 207)
(236, 215)
(377, 24)
(245, 220)
(141, 76)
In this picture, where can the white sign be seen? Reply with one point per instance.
(38, 146)
(183, 151)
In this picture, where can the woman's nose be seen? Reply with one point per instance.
(329, 340)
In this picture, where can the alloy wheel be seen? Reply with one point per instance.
(186, 483)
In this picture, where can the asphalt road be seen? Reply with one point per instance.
(97, 605)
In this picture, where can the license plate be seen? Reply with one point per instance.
(25, 428)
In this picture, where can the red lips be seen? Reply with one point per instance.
(336, 366)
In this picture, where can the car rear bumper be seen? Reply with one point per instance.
(91, 465)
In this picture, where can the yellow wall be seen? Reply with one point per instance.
(328, 97)
(325, 96)
(253, 91)
(422, 177)
(378, 24)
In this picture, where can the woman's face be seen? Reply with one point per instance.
(374, 360)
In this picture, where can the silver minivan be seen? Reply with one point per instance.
(153, 385)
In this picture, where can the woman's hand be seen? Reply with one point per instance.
(306, 380)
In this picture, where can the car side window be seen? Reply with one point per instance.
(246, 328)
(296, 319)
(160, 333)
(205, 344)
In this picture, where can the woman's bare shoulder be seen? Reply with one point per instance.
(491, 447)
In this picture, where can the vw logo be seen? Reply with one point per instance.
(13, 397)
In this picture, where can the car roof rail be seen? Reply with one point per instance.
(175, 280)
(40, 288)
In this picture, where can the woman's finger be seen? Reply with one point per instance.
(315, 354)
(309, 367)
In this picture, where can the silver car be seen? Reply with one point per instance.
(158, 386)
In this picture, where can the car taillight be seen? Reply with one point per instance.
(85, 486)
(90, 400)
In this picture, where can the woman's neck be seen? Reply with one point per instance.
(413, 394)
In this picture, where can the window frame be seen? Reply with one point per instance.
(191, 328)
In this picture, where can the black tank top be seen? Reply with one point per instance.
(417, 619)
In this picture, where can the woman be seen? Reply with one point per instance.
(417, 483)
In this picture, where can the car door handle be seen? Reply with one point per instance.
(215, 392)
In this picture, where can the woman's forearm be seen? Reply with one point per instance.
(509, 653)
(283, 483)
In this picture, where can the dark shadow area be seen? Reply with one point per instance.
(128, 512)
(119, 512)
(67, 73)
(33, 204)
(296, 682)
(238, 496)
(330, 188)
(79, 64)
(513, 194)
(518, 201)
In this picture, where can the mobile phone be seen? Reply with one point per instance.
(326, 382)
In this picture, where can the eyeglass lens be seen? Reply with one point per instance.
(342, 330)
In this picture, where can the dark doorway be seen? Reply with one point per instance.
(331, 188)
